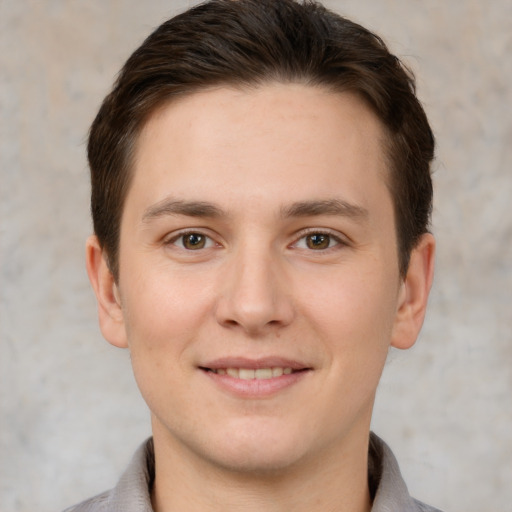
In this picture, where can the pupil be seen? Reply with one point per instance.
(318, 241)
(194, 241)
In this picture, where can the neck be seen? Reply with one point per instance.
(335, 481)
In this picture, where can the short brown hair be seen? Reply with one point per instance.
(252, 42)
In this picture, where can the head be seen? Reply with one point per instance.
(249, 43)
(261, 195)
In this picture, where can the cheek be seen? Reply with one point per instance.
(162, 313)
(354, 302)
(352, 315)
(162, 316)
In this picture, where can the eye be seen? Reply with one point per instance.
(318, 241)
(192, 241)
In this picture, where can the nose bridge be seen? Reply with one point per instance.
(253, 292)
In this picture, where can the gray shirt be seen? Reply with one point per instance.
(132, 493)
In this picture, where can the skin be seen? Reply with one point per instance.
(259, 287)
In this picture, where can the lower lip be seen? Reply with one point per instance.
(256, 388)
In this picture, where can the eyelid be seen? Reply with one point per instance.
(342, 240)
(171, 238)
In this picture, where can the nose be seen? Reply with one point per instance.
(255, 296)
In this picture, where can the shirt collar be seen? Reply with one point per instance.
(132, 493)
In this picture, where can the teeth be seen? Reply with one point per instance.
(246, 374)
(263, 373)
(249, 373)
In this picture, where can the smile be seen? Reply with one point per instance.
(250, 373)
(255, 378)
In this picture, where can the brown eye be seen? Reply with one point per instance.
(193, 241)
(318, 241)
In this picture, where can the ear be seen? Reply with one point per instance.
(110, 313)
(413, 294)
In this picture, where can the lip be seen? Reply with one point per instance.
(255, 388)
(255, 364)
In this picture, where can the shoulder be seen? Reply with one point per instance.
(132, 493)
(423, 507)
(99, 503)
(386, 482)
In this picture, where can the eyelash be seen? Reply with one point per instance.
(210, 242)
(333, 237)
(181, 235)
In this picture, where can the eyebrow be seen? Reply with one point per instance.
(337, 207)
(325, 207)
(177, 207)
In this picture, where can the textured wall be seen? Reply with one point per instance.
(70, 414)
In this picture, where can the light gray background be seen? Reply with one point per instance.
(70, 413)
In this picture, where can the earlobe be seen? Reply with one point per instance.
(414, 294)
(110, 313)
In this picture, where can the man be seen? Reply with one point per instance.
(261, 196)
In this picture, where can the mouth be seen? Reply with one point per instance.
(255, 378)
(255, 373)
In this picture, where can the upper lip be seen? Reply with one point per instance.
(256, 363)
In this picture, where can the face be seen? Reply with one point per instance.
(259, 288)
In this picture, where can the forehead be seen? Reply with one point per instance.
(284, 135)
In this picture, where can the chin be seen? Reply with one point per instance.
(256, 451)
(256, 461)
